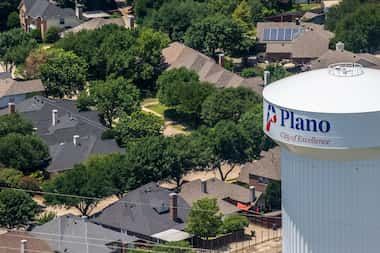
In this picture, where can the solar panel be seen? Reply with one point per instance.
(266, 34)
(273, 34)
(296, 32)
(281, 34)
(288, 34)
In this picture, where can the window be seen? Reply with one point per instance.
(61, 21)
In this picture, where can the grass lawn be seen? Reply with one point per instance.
(158, 108)
(308, 7)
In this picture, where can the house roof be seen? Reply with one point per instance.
(178, 55)
(9, 87)
(70, 122)
(172, 235)
(95, 23)
(338, 56)
(68, 233)
(46, 9)
(10, 242)
(5, 75)
(216, 188)
(268, 166)
(311, 42)
(135, 212)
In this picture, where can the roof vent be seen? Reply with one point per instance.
(346, 69)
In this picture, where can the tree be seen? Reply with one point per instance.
(89, 181)
(17, 208)
(114, 97)
(272, 195)
(218, 32)
(15, 46)
(242, 14)
(204, 220)
(137, 125)
(10, 177)
(360, 30)
(234, 222)
(13, 20)
(64, 74)
(52, 34)
(223, 7)
(15, 123)
(277, 72)
(25, 153)
(227, 104)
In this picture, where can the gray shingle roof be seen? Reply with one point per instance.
(70, 122)
(192, 191)
(268, 166)
(178, 55)
(45, 9)
(69, 233)
(141, 218)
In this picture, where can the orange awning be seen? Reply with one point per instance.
(243, 207)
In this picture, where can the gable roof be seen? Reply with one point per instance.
(10, 242)
(46, 9)
(141, 217)
(311, 42)
(70, 122)
(69, 232)
(178, 55)
(95, 23)
(268, 166)
(338, 56)
(216, 188)
(9, 87)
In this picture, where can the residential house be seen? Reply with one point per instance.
(260, 172)
(13, 91)
(232, 198)
(296, 41)
(69, 233)
(149, 212)
(340, 55)
(24, 242)
(43, 14)
(178, 55)
(72, 135)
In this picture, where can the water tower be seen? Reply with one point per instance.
(327, 123)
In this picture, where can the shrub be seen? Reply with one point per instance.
(84, 101)
(234, 222)
(52, 35)
(10, 177)
(108, 134)
(29, 183)
(45, 217)
(252, 72)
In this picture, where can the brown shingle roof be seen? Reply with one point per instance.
(268, 166)
(178, 55)
(10, 87)
(192, 191)
(10, 242)
(336, 56)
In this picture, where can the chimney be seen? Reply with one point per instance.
(11, 108)
(298, 22)
(266, 77)
(339, 46)
(221, 59)
(23, 246)
(252, 193)
(204, 186)
(76, 140)
(54, 117)
(173, 206)
(131, 21)
(78, 10)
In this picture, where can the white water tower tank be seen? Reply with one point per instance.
(327, 123)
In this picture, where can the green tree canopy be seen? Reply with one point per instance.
(26, 153)
(277, 72)
(17, 208)
(234, 222)
(218, 32)
(6, 8)
(13, 20)
(204, 219)
(10, 177)
(64, 74)
(227, 104)
(272, 195)
(137, 125)
(90, 180)
(114, 97)
(52, 34)
(15, 123)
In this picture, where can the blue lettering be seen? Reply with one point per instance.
(284, 116)
(324, 126)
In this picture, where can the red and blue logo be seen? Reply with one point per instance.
(271, 117)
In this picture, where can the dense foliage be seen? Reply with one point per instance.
(15, 123)
(272, 195)
(7, 8)
(17, 208)
(234, 222)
